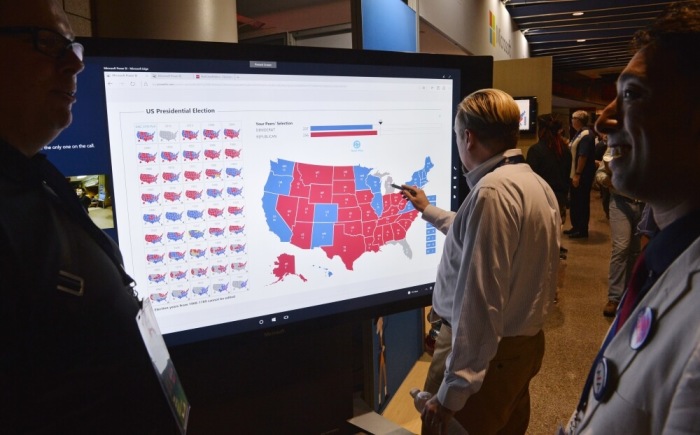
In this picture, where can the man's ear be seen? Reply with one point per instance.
(470, 138)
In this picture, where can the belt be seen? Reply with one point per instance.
(627, 199)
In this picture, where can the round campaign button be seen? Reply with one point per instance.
(602, 379)
(642, 328)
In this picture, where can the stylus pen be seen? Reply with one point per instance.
(396, 186)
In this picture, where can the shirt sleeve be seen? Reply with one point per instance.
(683, 416)
(490, 237)
(439, 218)
(602, 174)
(586, 147)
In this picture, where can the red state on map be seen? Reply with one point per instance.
(353, 228)
(344, 173)
(314, 174)
(364, 196)
(379, 235)
(285, 265)
(343, 187)
(305, 211)
(299, 189)
(344, 200)
(349, 214)
(406, 219)
(372, 244)
(321, 194)
(368, 228)
(387, 233)
(398, 230)
(287, 209)
(393, 203)
(386, 220)
(368, 213)
(398, 199)
(348, 248)
(301, 234)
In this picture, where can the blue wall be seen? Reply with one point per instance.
(388, 25)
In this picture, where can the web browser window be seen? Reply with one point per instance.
(244, 191)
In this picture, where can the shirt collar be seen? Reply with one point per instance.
(18, 167)
(484, 168)
(670, 242)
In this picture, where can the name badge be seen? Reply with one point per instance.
(163, 365)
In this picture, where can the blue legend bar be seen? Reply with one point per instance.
(341, 127)
(430, 232)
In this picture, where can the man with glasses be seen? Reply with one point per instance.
(71, 356)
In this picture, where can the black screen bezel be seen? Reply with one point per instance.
(475, 72)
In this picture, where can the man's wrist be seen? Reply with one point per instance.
(578, 173)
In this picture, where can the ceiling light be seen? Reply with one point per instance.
(577, 14)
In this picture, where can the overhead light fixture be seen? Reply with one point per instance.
(580, 40)
(577, 14)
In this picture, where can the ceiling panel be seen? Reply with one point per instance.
(594, 42)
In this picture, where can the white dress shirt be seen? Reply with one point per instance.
(497, 274)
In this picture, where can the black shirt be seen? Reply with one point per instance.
(69, 362)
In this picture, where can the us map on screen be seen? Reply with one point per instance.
(339, 209)
(238, 190)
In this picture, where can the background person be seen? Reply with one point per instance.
(645, 379)
(550, 159)
(71, 357)
(582, 174)
(625, 214)
(601, 146)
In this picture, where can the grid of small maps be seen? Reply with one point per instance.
(192, 214)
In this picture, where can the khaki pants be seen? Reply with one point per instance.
(502, 405)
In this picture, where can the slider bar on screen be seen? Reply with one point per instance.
(344, 133)
(342, 130)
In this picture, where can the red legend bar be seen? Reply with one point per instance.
(343, 133)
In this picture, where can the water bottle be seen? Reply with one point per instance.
(419, 400)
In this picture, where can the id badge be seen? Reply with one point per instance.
(163, 365)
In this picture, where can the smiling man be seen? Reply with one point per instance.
(71, 356)
(646, 378)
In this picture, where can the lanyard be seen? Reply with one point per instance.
(510, 161)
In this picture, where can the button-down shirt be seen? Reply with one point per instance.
(497, 275)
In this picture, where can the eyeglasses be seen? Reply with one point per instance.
(47, 41)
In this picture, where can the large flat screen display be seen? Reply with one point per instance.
(250, 187)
